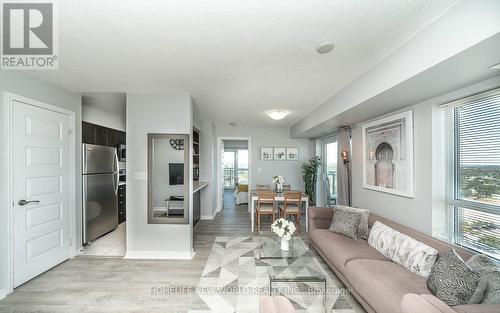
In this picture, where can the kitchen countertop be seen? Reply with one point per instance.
(199, 185)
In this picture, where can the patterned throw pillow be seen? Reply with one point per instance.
(412, 254)
(345, 223)
(492, 294)
(363, 230)
(451, 280)
(488, 290)
(480, 263)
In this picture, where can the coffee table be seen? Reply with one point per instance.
(298, 265)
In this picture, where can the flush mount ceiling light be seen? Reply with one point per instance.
(325, 47)
(277, 114)
(495, 67)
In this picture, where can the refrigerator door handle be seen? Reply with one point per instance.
(84, 209)
(117, 182)
(84, 158)
(116, 160)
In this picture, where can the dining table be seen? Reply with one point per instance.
(278, 197)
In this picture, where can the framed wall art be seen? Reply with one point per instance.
(280, 153)
(388, 154)
(266, 153)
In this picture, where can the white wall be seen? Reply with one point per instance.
(23, 84)
(105, 109)
(208, 166)
(426, 211)
(154, 113)
(261, 136)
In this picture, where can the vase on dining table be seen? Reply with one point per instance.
(285, 244)
(278, 188)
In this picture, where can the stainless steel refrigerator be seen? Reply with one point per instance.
(100, 191)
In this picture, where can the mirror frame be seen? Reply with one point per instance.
(187, 177)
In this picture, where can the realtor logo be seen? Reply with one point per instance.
(29, 38)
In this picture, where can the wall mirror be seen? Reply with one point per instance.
(168, 177)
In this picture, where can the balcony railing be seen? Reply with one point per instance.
(331, 196)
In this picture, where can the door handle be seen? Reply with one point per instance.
(24, 202)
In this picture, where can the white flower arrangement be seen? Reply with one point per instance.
(277, 179)
(283, 228)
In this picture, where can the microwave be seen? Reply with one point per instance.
(122, 153)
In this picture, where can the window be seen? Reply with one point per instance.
(474, 195)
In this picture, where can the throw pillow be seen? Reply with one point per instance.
(488, 290)
(492, 294)
(363, 230)
(451, 280)
(413, 255)
(345, 223)
(480, 262)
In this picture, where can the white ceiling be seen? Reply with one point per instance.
(236, 58)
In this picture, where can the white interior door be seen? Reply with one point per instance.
(40, 190)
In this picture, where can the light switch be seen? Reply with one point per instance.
(140, 176)
(259, 170)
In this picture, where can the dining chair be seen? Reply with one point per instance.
(291, 206)
(263, 187)
(287, 187)
(265, 205)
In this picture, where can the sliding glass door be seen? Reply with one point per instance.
(235, 167)
(329, 160)
(242, 169)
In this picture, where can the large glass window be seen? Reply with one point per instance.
(331, 173)
(228, 163)
(235, 164)
(475, 172)
(242, 167)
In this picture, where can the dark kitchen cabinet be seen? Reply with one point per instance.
(88, 133)
(113, 140)
(101, 135)
(122, 138)
(122, 212)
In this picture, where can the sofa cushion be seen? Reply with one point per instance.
(477, 308)
(278, 304)
(451, 280)
(415, 256)
(340, 249)
(412, 303)
(467, 308)
(383, 284)
(346, 223)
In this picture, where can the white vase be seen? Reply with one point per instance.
(278, 188)
(285, 244)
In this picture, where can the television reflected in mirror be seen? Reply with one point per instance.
(176, 172)
(168, 170)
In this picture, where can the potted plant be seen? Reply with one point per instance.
(284, 229)
(310, 176)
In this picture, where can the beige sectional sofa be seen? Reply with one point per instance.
(379, 284)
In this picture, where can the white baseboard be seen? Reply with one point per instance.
(209, 217)
(159, 255)
(3, 293)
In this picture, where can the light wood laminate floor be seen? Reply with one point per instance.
(112, 284)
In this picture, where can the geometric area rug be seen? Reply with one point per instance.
(235, 277)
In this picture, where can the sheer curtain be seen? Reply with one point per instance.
(343, 170)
